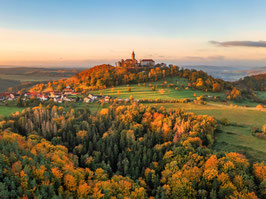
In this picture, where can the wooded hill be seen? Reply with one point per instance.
(104, 76)
(124, 152)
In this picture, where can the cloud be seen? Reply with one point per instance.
(259, 44)
(208, 58)
(216, 57)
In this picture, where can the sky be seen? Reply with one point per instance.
(88, 32)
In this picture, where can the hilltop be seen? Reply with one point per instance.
(107, 76)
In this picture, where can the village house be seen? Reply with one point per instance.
(67, 99)
(92, 97)
(43, 97)
(68, 91)
(55, 94)
(58, 100)
(4, 96)
(107, 99)
(32, 94)
(13, 96)
(87, 100)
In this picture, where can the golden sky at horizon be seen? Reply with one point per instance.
(25, 48)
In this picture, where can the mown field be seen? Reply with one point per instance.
(144, 91)
(7, 110)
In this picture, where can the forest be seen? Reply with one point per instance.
(131, 151)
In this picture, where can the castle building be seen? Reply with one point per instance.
(132, 63)
(128, 62)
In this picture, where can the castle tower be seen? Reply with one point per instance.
(133, 55)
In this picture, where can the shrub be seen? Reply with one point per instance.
(255, 130)
(259, 106)
(224, 121)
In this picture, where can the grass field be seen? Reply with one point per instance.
(239, 139)
(145, 91)
(7, 110)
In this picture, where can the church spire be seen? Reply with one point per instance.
(133, 55)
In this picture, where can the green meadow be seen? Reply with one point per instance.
(162, 91)
(7, 110)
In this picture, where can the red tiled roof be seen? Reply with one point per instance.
(147, 60)
(4, 94)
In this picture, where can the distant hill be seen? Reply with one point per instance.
(255, 71)
(28, 71)
(24, 77)
(254, 82)
(228, 73)
(6, 83)
(106, 76)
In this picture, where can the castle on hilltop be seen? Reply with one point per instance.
(132, 63)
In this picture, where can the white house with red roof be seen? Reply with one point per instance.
(147, 62)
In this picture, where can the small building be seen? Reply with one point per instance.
(68, 90)
(13, 96)
(55, 94)
(58, 100)
(87, 100)
(67, 99)
(4, 96)
(44, 97)
(32, 94)
(107, 99)
(92, 97)
(27, 94)
(147, 63)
